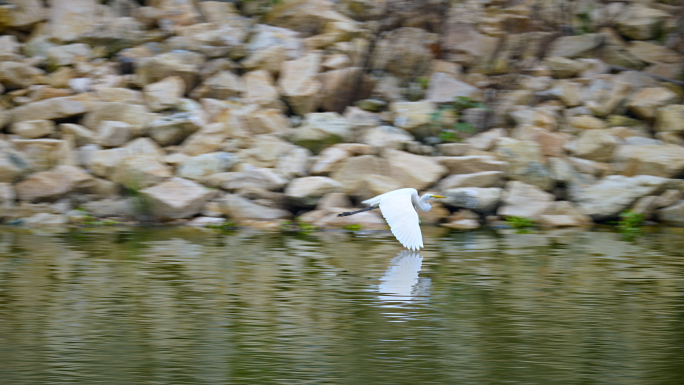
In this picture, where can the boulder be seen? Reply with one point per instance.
(444, 88)
(596, 145)
(307, 191)
(413, 115)
(69, 19)
(54, 184)
(482, 179)
(268, 121)
(173, 129)
(201, 166)
(265, 151)
(32, 129)
(112, 133)
(471, 164)
(404, 52)
(18, 75)
(140, 171)
(328, 160)
(526, 162)
(238, 208)
(70, 54)
(673, 214)
(42, 154)
(294, 163)
(659, 160)
(81, 134)
(299, 84)
(164, 94)
(259, 89)
(176, 198)
(563, 214)
(320, 130)
(481, 200)
(252, 177)
(486, 141)
(184, 64)
(370, 186)
(640, 22)
(352, 171)
(24, 13)
(670, 118)
(614, 194)
(51, 109)
(387, 137)
(413, 170)
(135, 115)
(45, 220)
(223, 85)
(207, 139)
(645, 102)
(575, 46)
(524, 200)
(305, 16)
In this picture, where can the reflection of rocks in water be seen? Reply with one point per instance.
(401, 282)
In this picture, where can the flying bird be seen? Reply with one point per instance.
(399, 209)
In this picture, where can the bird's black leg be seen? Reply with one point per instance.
(369, 208)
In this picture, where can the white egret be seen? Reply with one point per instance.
(399, 209)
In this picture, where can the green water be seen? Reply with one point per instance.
(174, 306)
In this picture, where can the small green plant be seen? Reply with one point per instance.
(630, 222)
(297, 226)
(423, 81)
(519, 222)
(91, 221)
(353, 227)
(225, 226)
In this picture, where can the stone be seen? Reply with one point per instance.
(268, 121)
(562, 67)
(614, 194)
(294, 163)
(413, 170)
(673, 214)
(370, 186)
(140, 171)
(53, 184)
(144, 146)
(109, 207)
(307, 191)
(259, 89)
(351, 172)
(23, 13)
(586, 122)
(575, 46)
(412, 115)
(568, 91)
(207, 139)
(251, 177)
(526, 162)
(81, 134)
(524, 200)
(484, 200)
(404, 52)
(640, 22)
(668, 198)
(454, 149)
(305, 16)
(320, 130)
(173, 129)
(201, 166)
(604, 96)
(444, 88)
(645, 102)
(265, 151)
(112, 133)
(653, 53)
(42, 154)
(563, 214)
(223, 85)
(33, 129)
(535, 117)
(299, 85)
(471, 164)
(184, 64)
(135, 115)
(596, 145)
(239, 209)
(486, 141)
(69, 19)
(659, 160)
(387, 137)
(482, 179)
(328, 160)
(66, 55)
(18, 75)
(267, 59)
(164, 94)
(670, 118)
(45, 220)
(176, 198)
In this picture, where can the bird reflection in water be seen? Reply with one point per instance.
(401, 283)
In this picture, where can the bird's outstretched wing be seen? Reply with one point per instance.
(402, 218)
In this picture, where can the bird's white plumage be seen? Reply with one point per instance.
(398, 209)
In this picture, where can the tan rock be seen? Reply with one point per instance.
(23, 13)
(259, 89)
(136, 116)
(33, 129)
(144, 146)
(535, 117)
(672, 214)
(164, 94)
(615, 193)
(268, 121)
(201, 166)
(294, 163)
(659, 160)
(562, 67)
(481, 200)
(238, 208)
(482, 179)
(351, 172)
(177, 198)
(320, 130)
(69, 19)
(668, 198)
(307, 191)
(185, 65)
(597, 145)
(586, 122)
(173, 129)
(486, 141)
(569, 92)
(328, 159)
(575, 46)
(524, 200)
(413, 170)
(298, 83)
(222, 85)
(373, 185)
(387, 137)
(639, 22)
(140, 171)
(404, 52)
(70, 54)
(306, 16)
(563, 214)
(338, 85)
(53, 184)
(471, 164)
(267, 59)
(603, 96)
(412, 115)
(112, 133)
(119, 95)
(250, 178)
(653, 53)
(670, 118)
(207, 139)
(526, 162)
(44, 154)
(265, 151)
(445, 88)
(645, 102)
(454, 149)
(18, 75)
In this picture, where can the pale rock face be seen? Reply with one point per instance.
(320, 130)
(25, 13)
(487, 140)
(18, 75)
(472, 164)
(140, 171)
(596, 145)
(69, 19)
(259, 89)
(586, 122)
(295, 163)
(673, 214)
(268, 121)
(43, 154)
(81, 134)
(136, 116)
(487, 199)
(50, 109)
(177, 198)
(112, 133)
(351, 172)
(306, 16)
(64, 55)
(54, 184)
(563, 214)
(645, 102)
(445, 88)
(387, 137)
(615, 193)
(164, 94)
(482, 179)
(252, 177)
(185, 65)
(307, 191)
(240, 209)
(640, 22)
(33, 129)
(670, 118)
(298, 83)
(222, 85)
(659, 160)
(524, 200)
(328, 159)
(526, 162)
(207, 139)
(201, 166)
(412, 115)
(265, 151)
(413, 170)
(574, 46)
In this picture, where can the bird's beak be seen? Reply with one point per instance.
(438, 196)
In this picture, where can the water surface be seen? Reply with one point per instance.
(184, 306)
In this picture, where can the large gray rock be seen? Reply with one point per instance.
(251, 177)
(526, 162)
(673, 214)
(351, 172)
(387, 137)
(524, 200)
(299, 84)
(413, 170)
(240, 209)
(306, 192)
(563, 214)
(136, 115)
(479, 179)
(140, 171)
(481, 200)
(472, 164)
(670, 118)
(176, 198)
(320, 130)
(164, 94)
(615, 193)
(444, 88)
(32, 129)
(201, 166)
(51, 109)
(596, 145)
(659, 160)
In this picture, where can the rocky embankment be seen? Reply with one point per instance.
(262, 111)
